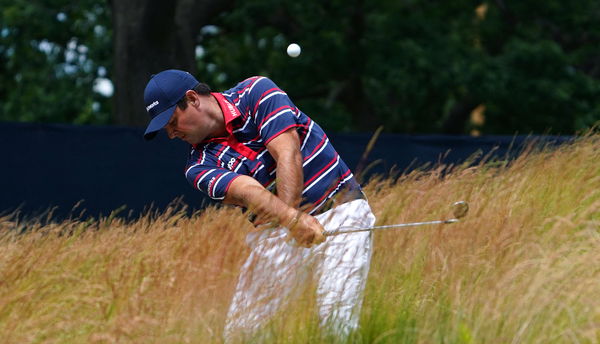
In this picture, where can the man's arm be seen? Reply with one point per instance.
(247, 192)
(285, 149)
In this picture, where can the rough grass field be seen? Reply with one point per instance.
(522, 267)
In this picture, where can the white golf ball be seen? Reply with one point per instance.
(293, 50)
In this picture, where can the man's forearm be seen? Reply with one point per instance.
(247, 193)
(290, 179)
(285, 149)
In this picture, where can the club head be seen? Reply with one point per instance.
(460, 209)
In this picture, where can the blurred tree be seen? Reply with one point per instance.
(55, 57)
(151, 36)
(419, 66)
(326, 81)
(544, 66)
(412, 66)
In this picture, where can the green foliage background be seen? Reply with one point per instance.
(407, 65)
(51, 53)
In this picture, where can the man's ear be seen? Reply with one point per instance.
(192, 97)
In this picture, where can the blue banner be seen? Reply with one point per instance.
(92, 171)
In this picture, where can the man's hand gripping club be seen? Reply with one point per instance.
(247, 192)
(306, 230)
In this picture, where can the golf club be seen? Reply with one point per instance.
(459, 210)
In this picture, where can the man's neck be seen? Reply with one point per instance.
(218, 117)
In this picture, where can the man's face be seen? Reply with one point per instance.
(193, 124)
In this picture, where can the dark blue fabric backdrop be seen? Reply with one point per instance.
(105, 168)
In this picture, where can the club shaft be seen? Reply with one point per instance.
(344, 230)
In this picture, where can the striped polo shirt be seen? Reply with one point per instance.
(255, 112)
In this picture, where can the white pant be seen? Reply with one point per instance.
(275, 271)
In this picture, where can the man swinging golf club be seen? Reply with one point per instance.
(253, 148)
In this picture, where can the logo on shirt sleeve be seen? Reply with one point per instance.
(210, 184)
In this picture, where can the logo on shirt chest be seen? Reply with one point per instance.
(231, 163)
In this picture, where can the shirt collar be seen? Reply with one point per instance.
(230, 113)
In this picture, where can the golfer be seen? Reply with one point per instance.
(253, 148)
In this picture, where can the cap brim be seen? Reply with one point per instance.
(159, 122)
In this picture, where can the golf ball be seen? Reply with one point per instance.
(293, 50)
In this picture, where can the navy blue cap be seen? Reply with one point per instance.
(161, 95)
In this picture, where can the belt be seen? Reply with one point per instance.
(339, 199)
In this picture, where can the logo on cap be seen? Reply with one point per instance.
(151, 105)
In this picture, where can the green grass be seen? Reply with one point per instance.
(522, 267)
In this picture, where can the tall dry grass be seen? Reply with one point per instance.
(522, 267)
